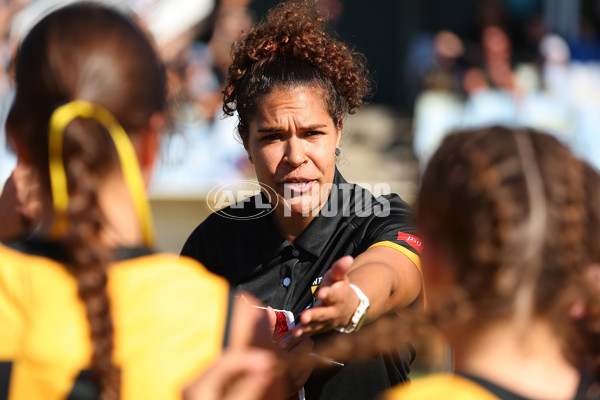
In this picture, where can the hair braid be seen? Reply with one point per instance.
(565, 251)
(474, 171)
(88, 257)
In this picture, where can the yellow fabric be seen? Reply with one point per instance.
(169, 315)
(61, 117)
(413, 257)
(440, 386)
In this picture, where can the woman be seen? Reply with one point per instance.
(84, 291)
(510, 219)
(311, 243)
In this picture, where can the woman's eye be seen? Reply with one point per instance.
(272, 137)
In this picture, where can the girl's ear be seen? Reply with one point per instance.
(12, 134)
(437, 272)
(150, 144)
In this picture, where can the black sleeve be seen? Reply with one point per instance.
(218, 243)
(392, 221)
(193, 246)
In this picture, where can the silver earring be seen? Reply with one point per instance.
(337, 151)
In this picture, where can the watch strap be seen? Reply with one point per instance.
(360, 314)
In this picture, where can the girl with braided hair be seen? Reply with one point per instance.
(84, 291)
(324, 251)
(510, 222)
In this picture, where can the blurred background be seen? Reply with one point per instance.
(437, 66)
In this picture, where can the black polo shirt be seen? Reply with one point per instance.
(253, 256)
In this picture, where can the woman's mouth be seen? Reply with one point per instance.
(297, 187)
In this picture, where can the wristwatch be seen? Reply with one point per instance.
(360, 314)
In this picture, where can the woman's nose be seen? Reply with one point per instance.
(294, 154)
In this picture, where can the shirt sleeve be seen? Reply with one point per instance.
(392, 225)
(193, 245)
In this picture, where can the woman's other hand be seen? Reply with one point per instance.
(296, 351)
(249, 374)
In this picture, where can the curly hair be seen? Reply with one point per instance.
(89, 52)
(510, 211)
(291, 47)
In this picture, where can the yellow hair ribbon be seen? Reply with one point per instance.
(63, 116)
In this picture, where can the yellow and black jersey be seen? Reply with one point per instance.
(441, 386)
(469, 387)
(169, 314)
(241, 243)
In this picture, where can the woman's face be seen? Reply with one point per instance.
(292, 141)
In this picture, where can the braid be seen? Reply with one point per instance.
(514, 208)
(88, 257)
(564, 255)
(474, 220)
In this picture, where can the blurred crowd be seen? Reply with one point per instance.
(519, 67)
(523, 63)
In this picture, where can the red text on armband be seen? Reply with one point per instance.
(411, 240)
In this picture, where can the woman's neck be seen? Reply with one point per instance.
(529, 362)
(290, 225)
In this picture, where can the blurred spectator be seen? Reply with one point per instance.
(204, 150)
(552, 83)
(8, 9)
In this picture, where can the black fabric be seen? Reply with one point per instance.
(5, 369)
(230, 303)
(85, 387)
(589, 386)
(56, 251)
(253, 256)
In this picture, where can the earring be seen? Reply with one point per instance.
(337, 151)
(250, 159)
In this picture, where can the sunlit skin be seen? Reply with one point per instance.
(292, 140)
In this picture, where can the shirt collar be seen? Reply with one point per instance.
(270, 241)
(316, 235)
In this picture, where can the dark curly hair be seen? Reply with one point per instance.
(291, 47)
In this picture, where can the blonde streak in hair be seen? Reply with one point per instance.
(528, 240)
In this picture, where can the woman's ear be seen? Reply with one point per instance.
(244, 138)
(339, 133)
